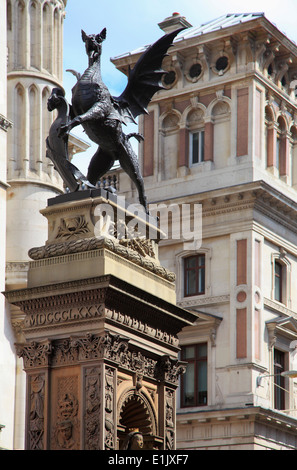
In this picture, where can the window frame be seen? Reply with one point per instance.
(196, 360)
(197, 269)
(200, 149)
(282, 260)
(279, 392)
(278, 280)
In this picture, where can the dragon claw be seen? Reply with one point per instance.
(63, 130)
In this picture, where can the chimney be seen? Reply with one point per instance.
(174, 22)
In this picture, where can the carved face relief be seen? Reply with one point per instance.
(64, 435)
(137, 442)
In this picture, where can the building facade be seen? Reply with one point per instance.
(222, 136)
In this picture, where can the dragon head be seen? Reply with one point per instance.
(93, 43)
(55, 98)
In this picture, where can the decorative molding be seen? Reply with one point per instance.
(35, 354)
(48, 312)
(279, 308)
(91, 347)
(202, 300)
(137, 307)
(135, 255)
(141, 327)
(72, 226)
(17, 266)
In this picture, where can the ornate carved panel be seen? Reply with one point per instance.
(110, 409)
(82, 395)
(36, 392)
(169, 419)
(92, 408)
(65, 429)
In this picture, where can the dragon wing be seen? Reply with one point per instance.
(144, 79)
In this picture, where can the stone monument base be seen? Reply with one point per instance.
(100, 329)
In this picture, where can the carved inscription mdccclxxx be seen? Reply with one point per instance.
(47, 318)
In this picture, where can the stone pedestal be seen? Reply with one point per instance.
(100, 328)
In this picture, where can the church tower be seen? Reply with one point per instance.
(34, 46)
(32, 62)
(6, 359)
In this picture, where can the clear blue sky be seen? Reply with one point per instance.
(134, 23)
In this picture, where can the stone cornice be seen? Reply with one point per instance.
(257, 194)
(279, 308)
(255, 413)
(204, 301)
(23, 74)
(96, 298)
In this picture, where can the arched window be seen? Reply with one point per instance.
(282, 149)
(34, 128)
(46, 38)
(34, 36)
(169, 145)
(278, 280)
(56, 41)
(19, 127)
(293, 155)
(46, 123)
(221, 133)
(20, 35)
(281, 278)
(9, 15)
(270, 137)
(195, 126)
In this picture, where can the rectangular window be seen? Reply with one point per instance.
(194, 275)
(196, 147)
(277, 152)
(278, 281)
(279, 381)
(194, 381)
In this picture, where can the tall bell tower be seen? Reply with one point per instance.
(35, 45)
(34, 66)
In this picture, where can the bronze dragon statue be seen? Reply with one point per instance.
(102, 115)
